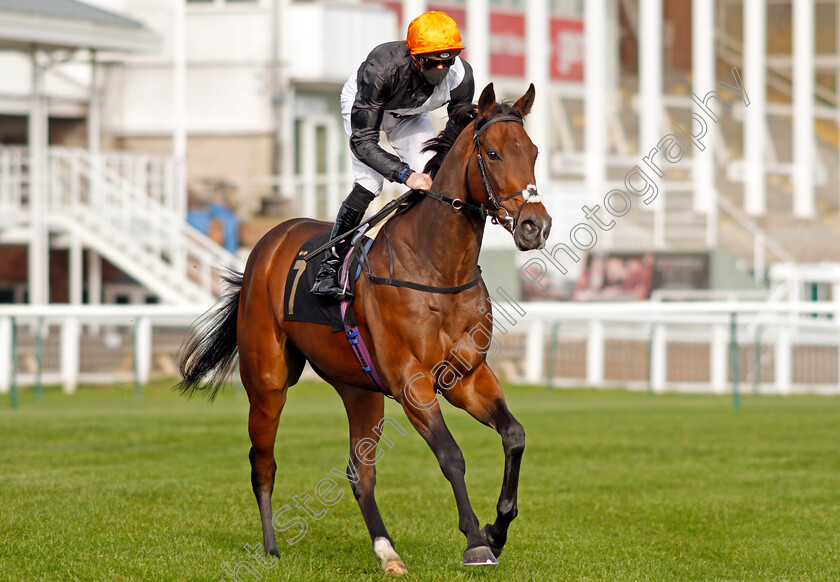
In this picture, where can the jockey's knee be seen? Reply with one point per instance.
(360, 197)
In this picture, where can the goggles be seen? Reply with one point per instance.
(434, 62)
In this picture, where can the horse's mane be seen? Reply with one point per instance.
(460, 118)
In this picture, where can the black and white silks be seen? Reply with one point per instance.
(388, 88)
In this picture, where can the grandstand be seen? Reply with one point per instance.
(121, 119)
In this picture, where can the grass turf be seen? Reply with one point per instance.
(614, 486)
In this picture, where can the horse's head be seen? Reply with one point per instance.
(500, 174)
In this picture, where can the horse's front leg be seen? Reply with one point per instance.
(419, 401)
(481, 395)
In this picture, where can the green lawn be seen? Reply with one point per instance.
(615, 486)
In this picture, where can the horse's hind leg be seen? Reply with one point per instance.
(365, 412)
(267, 370)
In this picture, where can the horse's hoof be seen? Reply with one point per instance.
(491, 542)
(391, 562)
(479, 556)
(395, 567)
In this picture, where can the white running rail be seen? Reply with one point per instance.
(661, 346)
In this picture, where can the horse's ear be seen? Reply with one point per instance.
(487, 101)
(523, 106)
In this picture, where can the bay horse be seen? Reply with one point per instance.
(487, 172)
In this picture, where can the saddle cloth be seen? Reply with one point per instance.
(301, 305)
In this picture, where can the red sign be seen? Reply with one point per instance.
(507, 44)
(568, 48)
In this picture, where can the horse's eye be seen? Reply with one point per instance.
(493, 155)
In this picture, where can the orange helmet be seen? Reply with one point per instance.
(433, 32)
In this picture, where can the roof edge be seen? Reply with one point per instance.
(24, 30)
(68, 10)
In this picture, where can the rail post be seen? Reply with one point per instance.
(6, 354)
(718, 359)
(757, 359)
(535, 353)
(142, 353)
(733, 331)
(70, 352)
(552, 351)
(658, 361)
(39, 358)
(14, 387)
(783, 360)
(595, 357)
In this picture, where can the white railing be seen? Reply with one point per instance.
(781, 347)
(778, 348)
(14, 185)
(66, 344)
(711, 295)
(160, 224)
(141, 225)
(153, 174)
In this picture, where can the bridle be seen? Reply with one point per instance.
(530, 194)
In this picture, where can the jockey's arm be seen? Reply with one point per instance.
(374, 91)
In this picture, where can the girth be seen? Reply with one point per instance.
(411, 284)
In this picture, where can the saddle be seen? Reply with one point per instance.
(303, 306)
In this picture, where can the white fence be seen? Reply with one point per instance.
(67, 345)
(779, 348)
(768, 347)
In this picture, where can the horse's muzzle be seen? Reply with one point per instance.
(532, 232)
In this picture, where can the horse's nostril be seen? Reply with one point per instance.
(529, 229)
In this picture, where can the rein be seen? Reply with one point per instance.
(457, 203)
(530, 194)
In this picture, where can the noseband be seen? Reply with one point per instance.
(530, 194)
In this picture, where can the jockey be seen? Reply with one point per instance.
(393, 91)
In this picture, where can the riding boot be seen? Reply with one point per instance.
(349, 216)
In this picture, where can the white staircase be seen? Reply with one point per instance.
(139, 229)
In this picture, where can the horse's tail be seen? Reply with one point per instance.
(208, 357)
